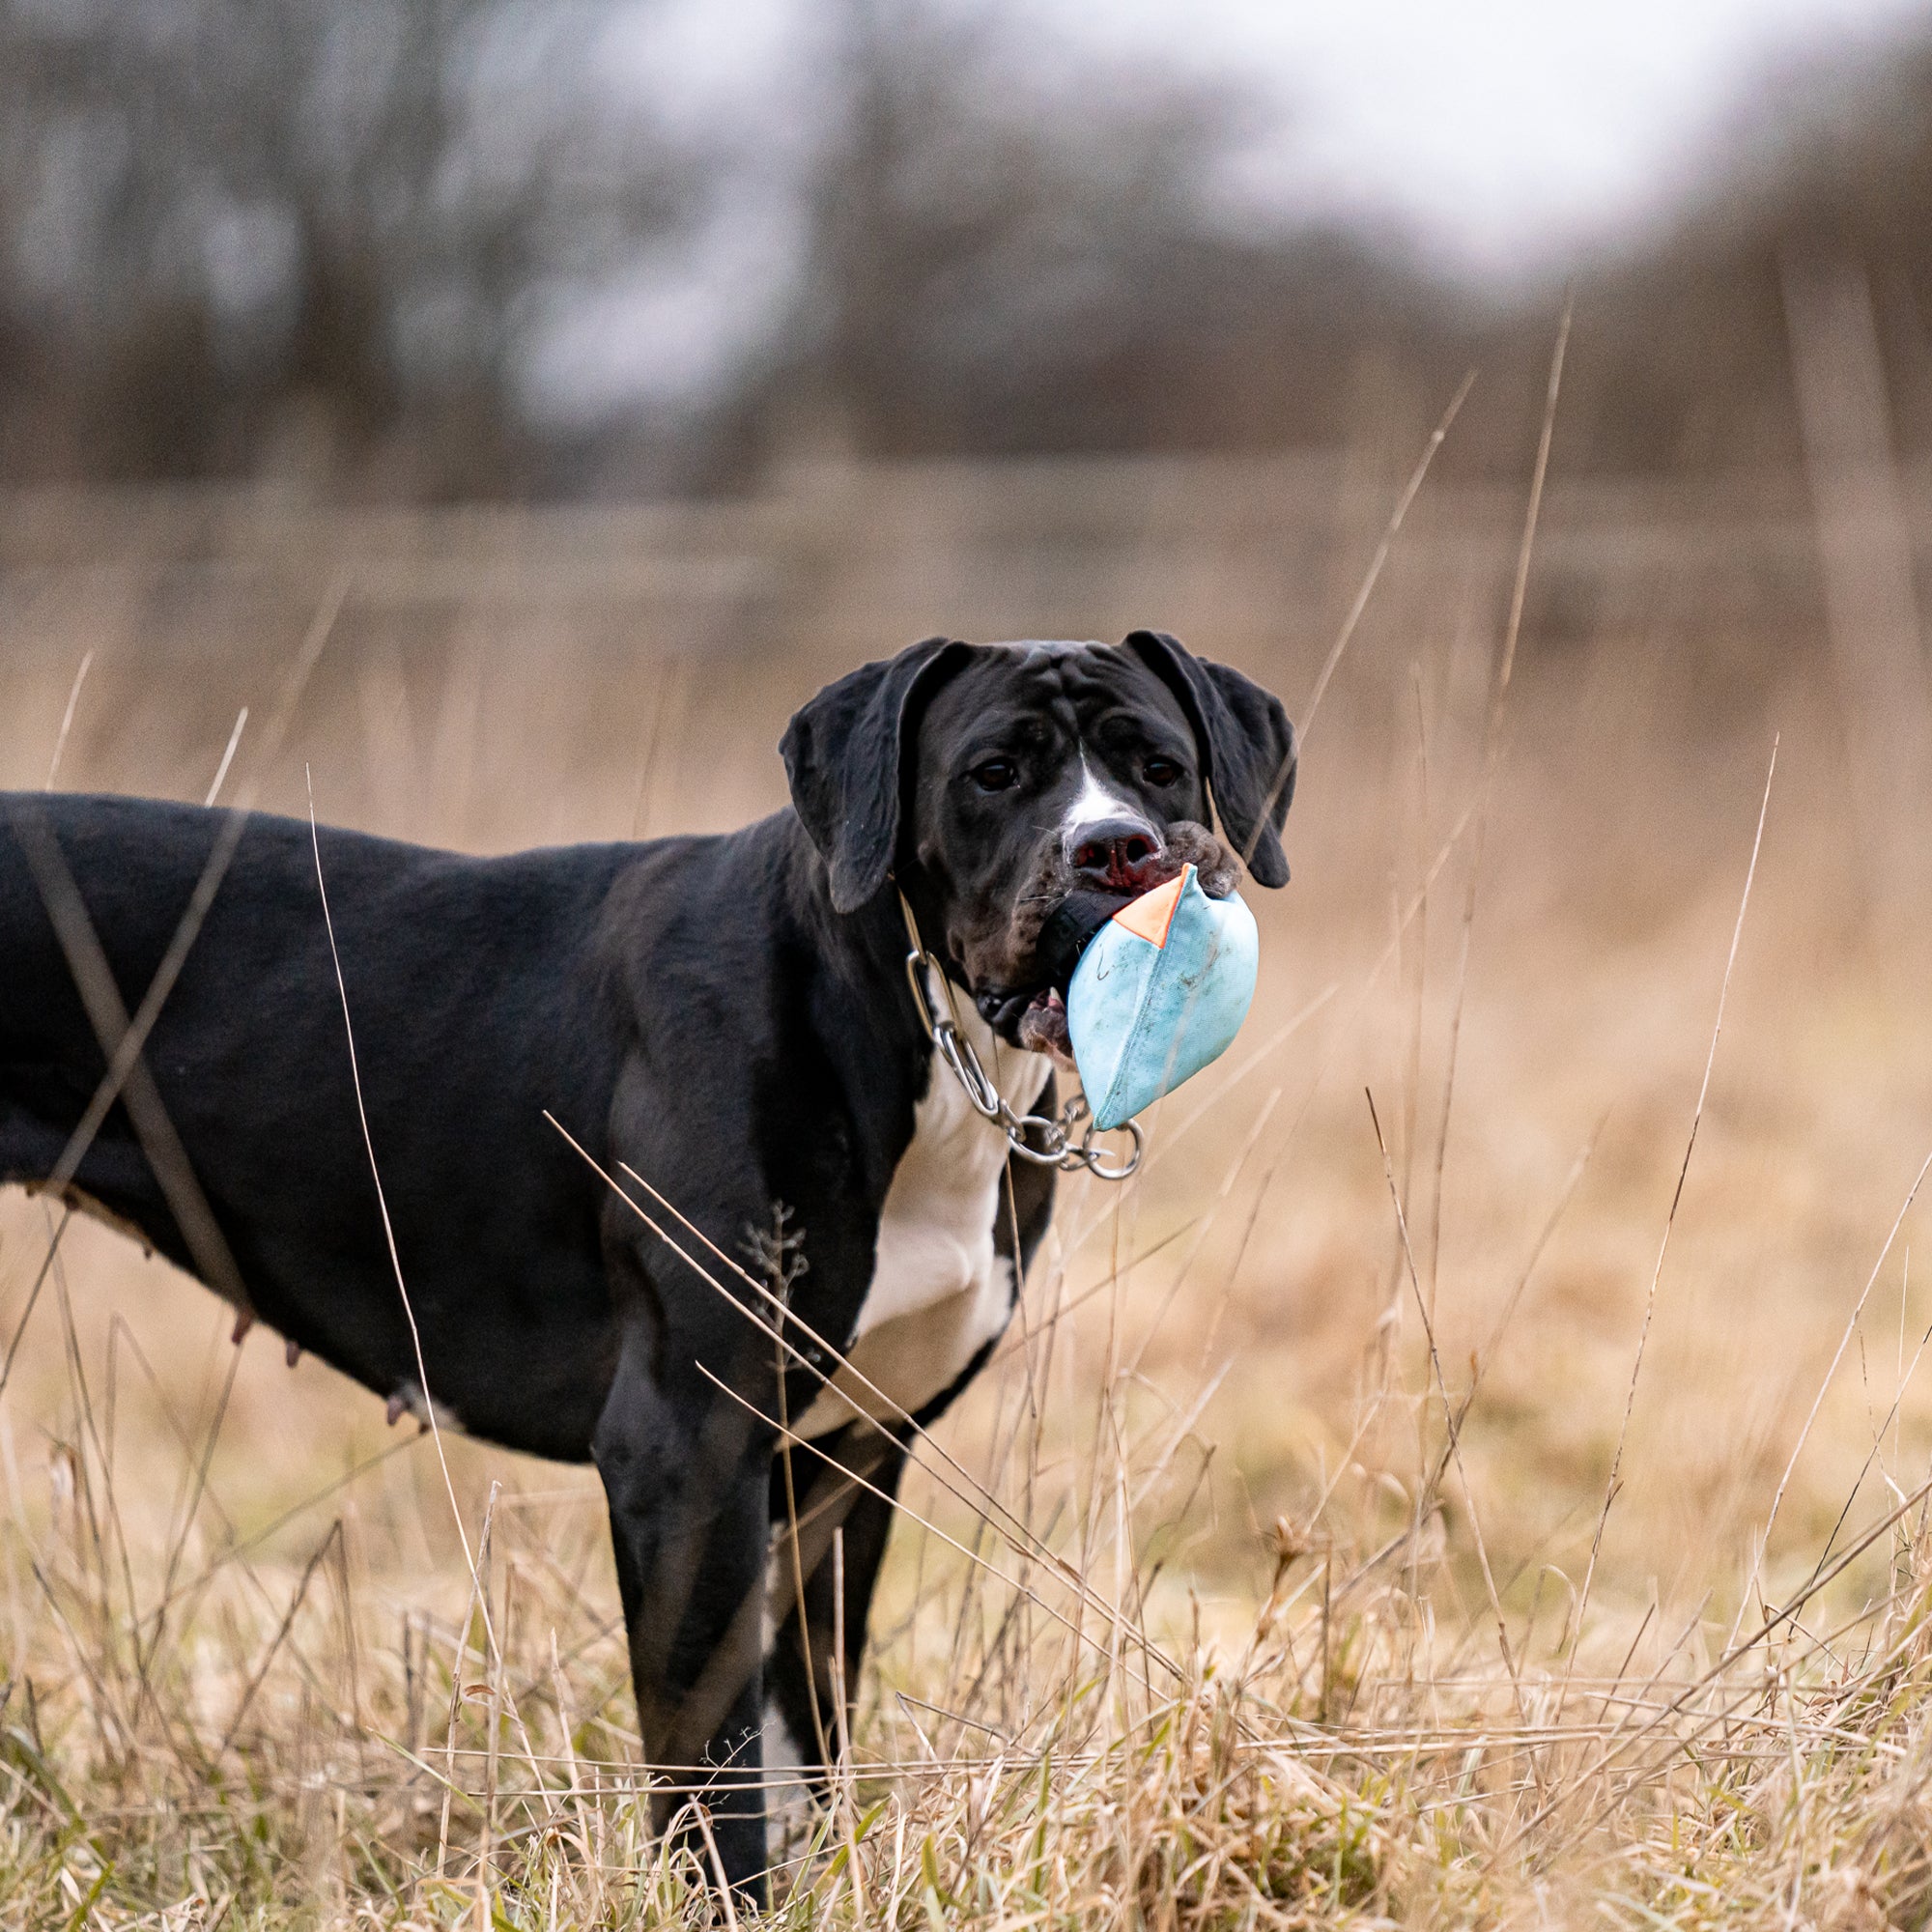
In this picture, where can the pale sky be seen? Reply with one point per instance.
(1502, 135)
(1502, 131)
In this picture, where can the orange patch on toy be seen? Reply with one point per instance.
(1150, 915)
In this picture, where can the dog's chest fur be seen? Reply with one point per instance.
(939, 1291)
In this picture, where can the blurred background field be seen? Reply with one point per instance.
(1012, 358)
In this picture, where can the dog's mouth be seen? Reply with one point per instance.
(1034, 1021)
(1033, 1016)
(1028, 1009)
(1043, 1027)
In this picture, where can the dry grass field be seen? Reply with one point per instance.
(1421, 1497)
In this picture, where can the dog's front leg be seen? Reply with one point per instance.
(685, 1471)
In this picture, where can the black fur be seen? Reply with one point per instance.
(842, 755)
(1248, 744)
(728, 1016)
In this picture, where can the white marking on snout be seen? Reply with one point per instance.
(1096, 803)
(939, 1292)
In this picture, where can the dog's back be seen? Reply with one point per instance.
(461, 1044)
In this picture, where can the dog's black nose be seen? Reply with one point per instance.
(1112, 852)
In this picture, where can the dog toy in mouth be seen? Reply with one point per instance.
(1160, 991)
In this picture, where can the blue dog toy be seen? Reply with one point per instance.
(1160, 991)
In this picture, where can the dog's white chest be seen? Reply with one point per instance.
(939, 1292)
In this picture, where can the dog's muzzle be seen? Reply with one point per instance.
(1034, 1017)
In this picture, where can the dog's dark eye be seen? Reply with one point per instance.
(1160, 771)
(995, 774)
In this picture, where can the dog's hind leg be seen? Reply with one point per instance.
(831, 1528)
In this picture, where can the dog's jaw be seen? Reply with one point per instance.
(1042, 1029)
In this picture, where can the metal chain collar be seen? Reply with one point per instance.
(1057, 1147)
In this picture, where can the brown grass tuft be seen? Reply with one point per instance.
(1290, 1623)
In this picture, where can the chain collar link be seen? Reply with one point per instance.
(1058, 1146)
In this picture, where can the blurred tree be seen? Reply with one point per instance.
(1682, 357)
(334, 237)
(305, 233)
(1010, 251)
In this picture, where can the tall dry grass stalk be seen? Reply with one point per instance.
(1261, 1581)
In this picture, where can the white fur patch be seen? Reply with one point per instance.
(1097, 804)
(939, 1292)
(788, 1800)
(782, 1752)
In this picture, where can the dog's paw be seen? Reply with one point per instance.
(1215, 865)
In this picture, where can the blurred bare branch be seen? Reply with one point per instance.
(410, 248)
(309, 231)
(1009, 253)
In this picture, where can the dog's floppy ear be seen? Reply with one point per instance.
(843, 752)
(1247, 746)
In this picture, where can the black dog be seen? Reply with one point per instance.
(729, 1019)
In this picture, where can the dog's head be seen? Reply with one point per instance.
(1021, 794)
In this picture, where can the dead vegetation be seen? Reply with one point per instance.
(1498, 1498)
